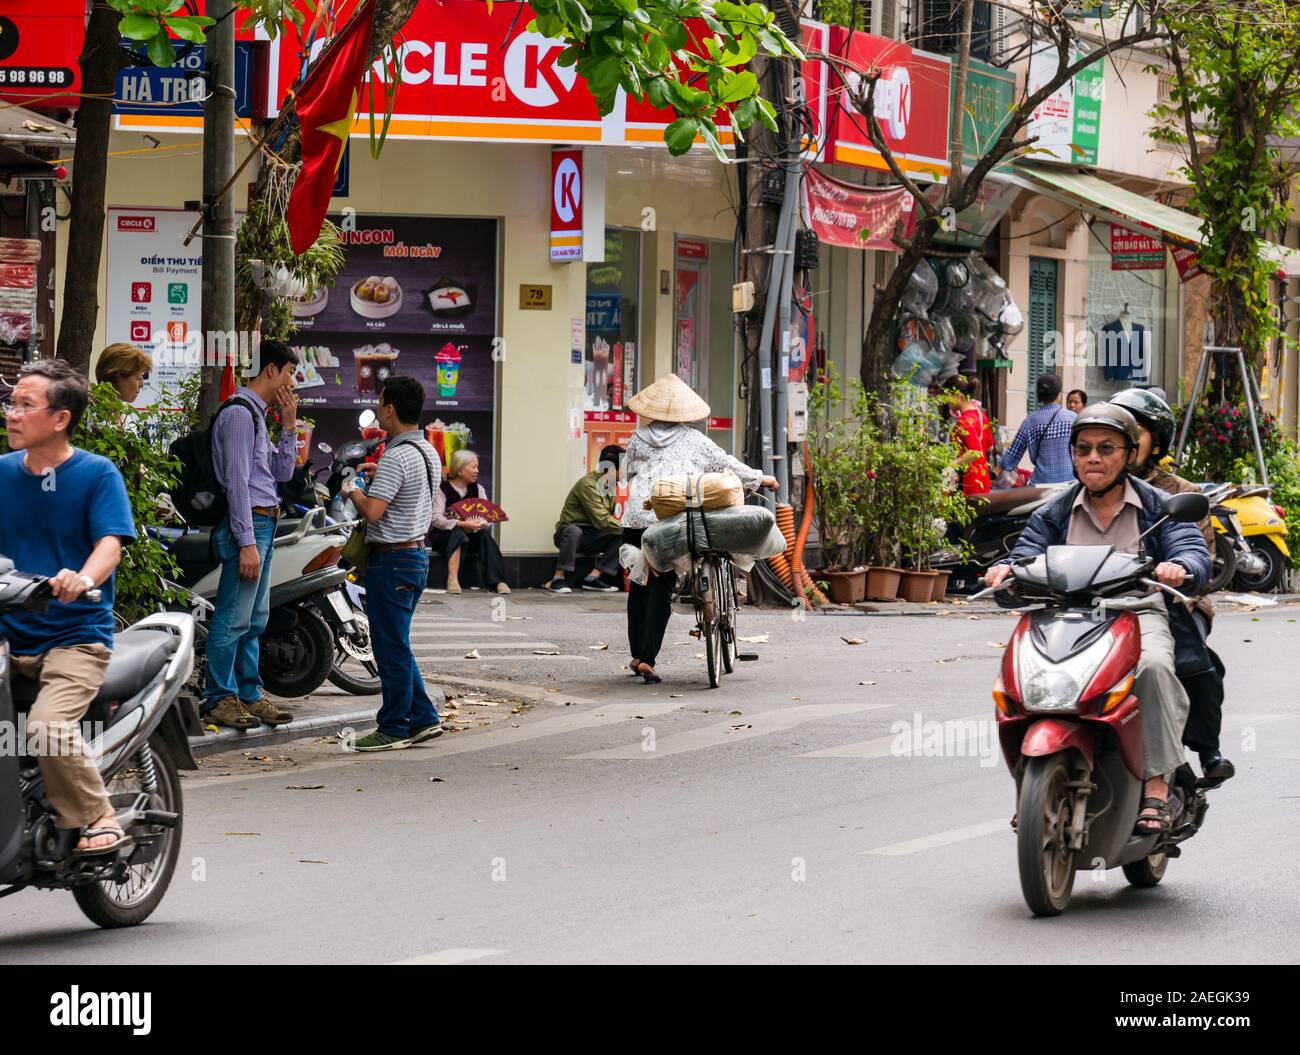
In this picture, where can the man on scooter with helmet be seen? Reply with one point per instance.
(1199, 668)
(1108, 506)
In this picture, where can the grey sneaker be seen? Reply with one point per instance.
(419, 736)
(378, 741)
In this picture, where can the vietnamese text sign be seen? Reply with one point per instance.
(855, 217)
(1135, 251)
(1067, 124)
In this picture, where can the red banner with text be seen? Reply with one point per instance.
(855, 217)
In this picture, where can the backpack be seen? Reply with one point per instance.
(198, 495)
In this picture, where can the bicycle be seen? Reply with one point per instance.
(712, 586)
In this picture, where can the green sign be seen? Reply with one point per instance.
(990, 95)
(1089, 83)
(178, 293)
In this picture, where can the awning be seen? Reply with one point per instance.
(21, 126)
(1116, 205)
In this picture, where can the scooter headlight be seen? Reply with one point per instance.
(1050, 690)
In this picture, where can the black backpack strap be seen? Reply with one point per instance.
(1042, 435)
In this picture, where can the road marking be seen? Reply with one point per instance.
(450, 956)
(496, 657)
(419, 626)
(764, 723)
(929, 842)
(427, 646)
(883, 746)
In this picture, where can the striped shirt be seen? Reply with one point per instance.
(405, 478)
(1046, 435)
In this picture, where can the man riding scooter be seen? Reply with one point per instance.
(1109, 507)
(1200, 670)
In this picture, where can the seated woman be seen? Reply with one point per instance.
(454, 536)
(126, 367)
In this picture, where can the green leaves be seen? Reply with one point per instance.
(680, 135)
(139, 27)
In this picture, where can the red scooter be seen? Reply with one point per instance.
(1070, 726)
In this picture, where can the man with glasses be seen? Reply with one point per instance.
(1109, 507)
(66, 516)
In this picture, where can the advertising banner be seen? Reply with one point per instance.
(1135, 251)
(155, 293)
(1067, 123)
(855, 217)
(39, 49)
(911, 103)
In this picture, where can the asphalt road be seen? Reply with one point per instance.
(781, 818)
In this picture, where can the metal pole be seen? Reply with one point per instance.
(1201, 369)
(1247, 383)
(218, 312)
(774, 279)
(780, 455)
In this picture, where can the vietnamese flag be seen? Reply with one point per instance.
(327, 103)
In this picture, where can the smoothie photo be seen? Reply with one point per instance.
(448, 360)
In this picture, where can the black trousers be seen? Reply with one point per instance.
(479, 546)
(1205, 717)
(574, 539)
(648, 608)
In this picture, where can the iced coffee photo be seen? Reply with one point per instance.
(374, 363)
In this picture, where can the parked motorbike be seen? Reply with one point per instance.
(1069, 724)
(138, 733)
(1260, 525)
(1000, 516)
(316, 630)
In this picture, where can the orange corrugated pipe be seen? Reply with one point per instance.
(785, 521)
(801, 538)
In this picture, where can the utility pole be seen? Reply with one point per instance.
(218, 317)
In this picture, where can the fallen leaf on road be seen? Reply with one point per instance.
(436, 780)
(519, 617)
(306, 861)
(361, 789)
(853, 640)
(699, 655)
(303, 787)
(676, 695)
(243, 833)
(601, 647)
(866, 683)
(757, 639)
(473, 654)
(972, 617)
(996, 644)
(213, 729)
(545, 652)
(734, 714)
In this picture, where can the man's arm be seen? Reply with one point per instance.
(599, 514)
(1016, 451)
(68, 585)
(232, 451)
(284, 459)
(1184, 545)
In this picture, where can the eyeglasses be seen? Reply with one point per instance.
(12, 410)
(1106, 450)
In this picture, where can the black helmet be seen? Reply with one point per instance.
(1106, 416)
(1152, 413)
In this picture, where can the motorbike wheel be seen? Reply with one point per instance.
(1224, 564)
(1148, 871)
(297, 663)
(1274, 566)
(355, 669)
(111, 904)
(1045, 859)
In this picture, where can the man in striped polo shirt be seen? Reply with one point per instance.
(398, 507)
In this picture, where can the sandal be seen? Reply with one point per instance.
(1156, 823)
(647, 672)
(122, 842)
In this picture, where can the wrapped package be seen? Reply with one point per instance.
(19, 250)
(668, 496)
(17, 276)
(744, 531)
(15, 327)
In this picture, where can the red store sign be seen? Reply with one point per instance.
(39, 50)
(566, 205)
(911, 105)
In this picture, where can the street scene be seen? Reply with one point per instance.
(694, 482)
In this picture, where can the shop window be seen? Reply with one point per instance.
(1126, 322)
(612, 339)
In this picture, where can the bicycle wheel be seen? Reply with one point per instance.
(727, 615)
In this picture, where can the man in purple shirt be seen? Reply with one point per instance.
(248, 466)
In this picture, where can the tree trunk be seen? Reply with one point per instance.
(101, 58)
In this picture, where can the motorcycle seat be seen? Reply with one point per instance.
(998, 503)
(194, 547)
(286, 525)
(138, 656)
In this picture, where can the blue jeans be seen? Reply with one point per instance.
(242, 609)
(395, 579)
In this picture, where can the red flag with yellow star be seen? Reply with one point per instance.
(327, 103)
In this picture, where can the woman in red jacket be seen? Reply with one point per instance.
(973, 436)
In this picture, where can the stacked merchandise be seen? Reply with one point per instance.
(18, 260)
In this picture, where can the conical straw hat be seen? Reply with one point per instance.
(669, 399)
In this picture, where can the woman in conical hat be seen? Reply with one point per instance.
(666, 444)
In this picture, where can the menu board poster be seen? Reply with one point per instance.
(409, 275)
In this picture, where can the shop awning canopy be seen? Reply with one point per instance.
(1119, 206)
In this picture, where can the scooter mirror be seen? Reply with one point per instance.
(366, 419)
(1187, 508)
(324, 448)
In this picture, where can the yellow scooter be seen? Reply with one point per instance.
(1259, 527)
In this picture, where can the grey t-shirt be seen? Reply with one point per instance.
(405, 478)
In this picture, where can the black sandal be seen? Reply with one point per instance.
(1160, 818)
(647, 672)
(122, 842)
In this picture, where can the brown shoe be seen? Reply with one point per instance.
(265, 710)
(230, 712)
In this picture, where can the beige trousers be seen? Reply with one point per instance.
(69, 679)
(1162, 696)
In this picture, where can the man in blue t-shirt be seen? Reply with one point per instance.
(64, 513)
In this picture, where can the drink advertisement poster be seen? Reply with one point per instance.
(416, 297)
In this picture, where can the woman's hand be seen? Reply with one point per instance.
(769, 482)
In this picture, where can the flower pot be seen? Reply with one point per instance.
(917, 586)
(882, 583)
(845, 587)
(940, 586)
